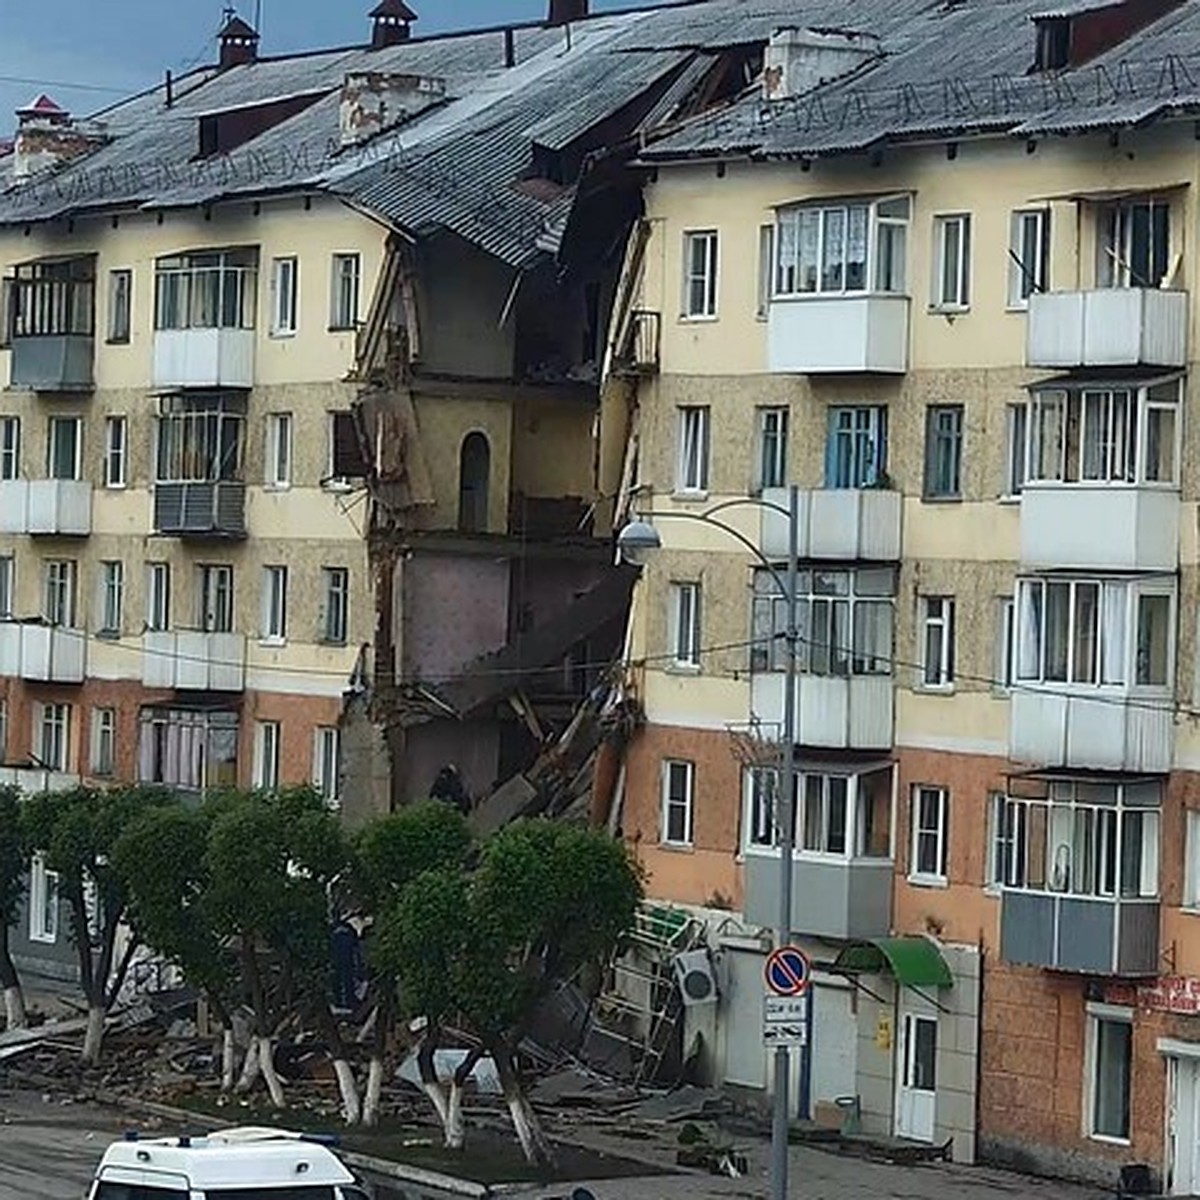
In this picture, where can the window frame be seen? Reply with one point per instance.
(688, 456)
(216, 597)
(267, 757)
(856, 446)
(112, 598)
(938, 614)
(158, 597)
(53, 425)
(686, 772)
(1114, 233)
(206, 289)
(1190, 900)
(52, 728)
(950, 488)
(44, 886)
(685, 618)
(940, 832)
(280, 451)
(116, 451)
(708, 278)
(285, 296)
(345, 309)
(336, 600)
(770, 446)
(8, 585)
(10, 447)
(1022, 282)
(274, 605)
(1016, 449)
(327, 764)
(104, 727)
(1106, 1015)
(960, 299)
(120, 307)
(60, 580)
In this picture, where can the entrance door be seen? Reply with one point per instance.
(834, 1043)
(918, 1078)
(1184, 1148)
(745, 1054)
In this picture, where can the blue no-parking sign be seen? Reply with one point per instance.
(787, 971)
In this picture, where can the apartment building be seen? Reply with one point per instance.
(934, 270)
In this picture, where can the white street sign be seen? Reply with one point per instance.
(785, 1010)
(784, 1035)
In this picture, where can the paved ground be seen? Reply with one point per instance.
(48, 1151)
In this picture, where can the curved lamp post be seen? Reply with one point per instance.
(637, 542)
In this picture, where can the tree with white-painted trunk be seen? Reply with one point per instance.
(14, 864)
(77, 833)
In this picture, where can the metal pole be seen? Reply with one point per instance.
(786, 816)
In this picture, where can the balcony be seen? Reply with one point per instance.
(639, 351)
(824, 335)
(42, 653)
(848, 524)
(193, 358)
(193, 660)
(46, 507)
(54, 362)
(851, 898)
(832, 711)
(1090, 935)
(1099, 526)
(1107, 327)
(1105, 729)
(213, 509)
(32, 779)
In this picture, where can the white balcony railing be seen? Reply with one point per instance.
(1107, 327)
(51, 507)
(204, 358)
(822, 335)
(835, 523)
(833, 711)
(193, 660)
(42, 653)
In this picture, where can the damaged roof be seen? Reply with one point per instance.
(480, 161)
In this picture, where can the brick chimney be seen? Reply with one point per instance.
(48, 138)
(391, 22)
(564, 11)
(239, 43)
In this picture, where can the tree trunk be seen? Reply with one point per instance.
(14, 997)
(250, 1068)
(534, 1143)
(351, 1107)
(456, 1135)
(266, 1062)
(94, 1037)
(374, 1088)
(228, 1059)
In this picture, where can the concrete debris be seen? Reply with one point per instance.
(685, 1104)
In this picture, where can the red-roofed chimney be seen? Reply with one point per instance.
(239, 43)
(564, 11)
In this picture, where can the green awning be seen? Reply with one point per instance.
(914, 961)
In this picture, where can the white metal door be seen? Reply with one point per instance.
(917, 1090)
(742, 1004)
(1184, 1128)
(834, 1042)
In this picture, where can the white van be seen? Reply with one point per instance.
(235, 1164)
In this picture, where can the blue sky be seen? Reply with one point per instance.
(109, 47)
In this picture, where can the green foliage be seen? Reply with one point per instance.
(13, 855)
(392, 851)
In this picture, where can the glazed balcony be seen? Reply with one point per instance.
(52, 325)
(201, 509)
(1107, 327)
(848, 898)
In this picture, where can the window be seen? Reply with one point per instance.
(474, 483)
(1008, 844)
(10, 447)
(1095, 632)
(1006, 644)
(158, 596)
(63, 448)
(274, 602)
(59, 592)
(212, 290)
(1109, 1068)
(766, 269)
(846, 816)
(43, 902)
(326, 763)
(343, 309)
(846, 619)
(952, 262)
(943, 451)
(3, 730)
(1108, 435)
(678, 802)
(104, 741)
(53, 735)
(937, 623)
(336, 617)
(929, 839)
(856, 447)
(285, 277)
(112, 596)
(188, 748)
(1028, 255)
(1053, 43)
(216, 599)
(700, 274)
(691, 471)
(8, 583)
(53, 298)
(685, 624)
(840, 248)
(1191, 872)
(279, 450)
(1133, 244)
(1081, 838)
(200, 438)
(120, 305)
(345, 460)
(266, 755)
(1015, 422)
(116, 433)
(771, 464)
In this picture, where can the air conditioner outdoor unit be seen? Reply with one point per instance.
(694, 974)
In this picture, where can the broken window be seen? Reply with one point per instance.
(1133, 243)
(200, 439)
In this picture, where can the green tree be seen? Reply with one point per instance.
(486, 946)
(14, 864)
(77, 833)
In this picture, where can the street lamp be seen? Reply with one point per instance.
(636, 543)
